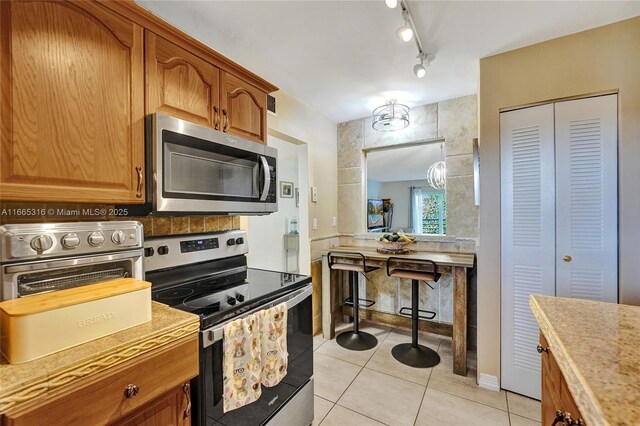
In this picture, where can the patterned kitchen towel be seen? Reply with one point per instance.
(241, 363)
(273, 337)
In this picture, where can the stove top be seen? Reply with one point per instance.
(222, 295)
(207, 275)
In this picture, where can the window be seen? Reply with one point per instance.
(429, 212)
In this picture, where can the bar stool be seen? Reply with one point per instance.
(413, 354)
(354, 340)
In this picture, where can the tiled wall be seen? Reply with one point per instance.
(455, 122)
(153, 226)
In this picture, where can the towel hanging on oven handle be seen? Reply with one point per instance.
(215, 334)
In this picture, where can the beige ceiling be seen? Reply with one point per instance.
(342, 57)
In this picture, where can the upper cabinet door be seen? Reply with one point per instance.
(181, 84)
(244, 109)
(72, 110)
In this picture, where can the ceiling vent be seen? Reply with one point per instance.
(271, 105)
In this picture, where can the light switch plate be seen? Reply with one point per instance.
(314, 194)
(334, 221)
(314, 223)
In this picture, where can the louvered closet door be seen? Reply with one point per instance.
(528, 239)
(586, 194)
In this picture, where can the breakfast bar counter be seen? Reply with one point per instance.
(596, 346)
(460, 263)
(22, 383)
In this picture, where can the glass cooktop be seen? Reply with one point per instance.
(216, 295)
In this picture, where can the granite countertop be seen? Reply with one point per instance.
(20, 383)
(597, 347)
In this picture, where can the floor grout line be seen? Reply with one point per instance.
(363, 415)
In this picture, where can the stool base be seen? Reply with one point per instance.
(359, 341)
(420, 357)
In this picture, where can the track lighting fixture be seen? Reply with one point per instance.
(420, 69)
(405, 32)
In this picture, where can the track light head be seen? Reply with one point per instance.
(405, 32)
(420, 70)
(391, 4)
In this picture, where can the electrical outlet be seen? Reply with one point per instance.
(334, 221)
(314, 223)
(314, 194)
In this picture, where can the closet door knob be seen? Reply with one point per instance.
(567, 258)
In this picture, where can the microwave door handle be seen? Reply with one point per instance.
(267, 179)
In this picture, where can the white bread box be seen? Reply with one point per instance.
(35, 326)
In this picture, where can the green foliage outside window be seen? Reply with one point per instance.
(434, 214)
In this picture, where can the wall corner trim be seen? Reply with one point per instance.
(489, 382)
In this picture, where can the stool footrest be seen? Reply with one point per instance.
(363, 303)
(431, 314)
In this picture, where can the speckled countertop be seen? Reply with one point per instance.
(597, 347)
(20, 383)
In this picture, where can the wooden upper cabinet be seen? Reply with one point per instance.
(72, 103)
(244, 109)
(181, 84)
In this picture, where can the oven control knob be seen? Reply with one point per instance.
(231, 300)
(231, 242)
(162, 250)
(96, 239)
(240, 298)
(240, 240)
(148, 251)
(41, 243)
(118, 237)
(70, 241)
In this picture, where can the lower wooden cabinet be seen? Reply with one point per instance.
(149, 389)
(558, 406)
(174, 408)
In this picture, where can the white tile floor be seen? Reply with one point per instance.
(371, 388)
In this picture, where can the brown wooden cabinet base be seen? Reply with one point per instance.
(145, 390)
(557, 402)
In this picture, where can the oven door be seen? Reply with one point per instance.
(207, 388)
(197, 169)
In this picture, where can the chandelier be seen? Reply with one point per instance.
(390, 116)
(437, 174)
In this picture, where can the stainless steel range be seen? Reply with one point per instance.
(207, 275)
(43, 257)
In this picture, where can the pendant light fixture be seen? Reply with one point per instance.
(437, 173)
(391, 4)
(390, 117)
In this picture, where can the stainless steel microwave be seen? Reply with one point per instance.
(195, 169)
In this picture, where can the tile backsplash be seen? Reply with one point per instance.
(153, 226)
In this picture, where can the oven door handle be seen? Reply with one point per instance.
(215, 334)
(267, 179)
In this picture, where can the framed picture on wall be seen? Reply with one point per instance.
(286, 189)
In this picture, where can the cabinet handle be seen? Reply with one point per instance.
(131, 390)
(186, 388)
(541, 349)
(216, 118)
(567, 258)
(226, 120)
(140, 181)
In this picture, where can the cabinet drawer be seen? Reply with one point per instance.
(101, 399)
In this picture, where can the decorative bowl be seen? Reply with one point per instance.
(395, 245)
